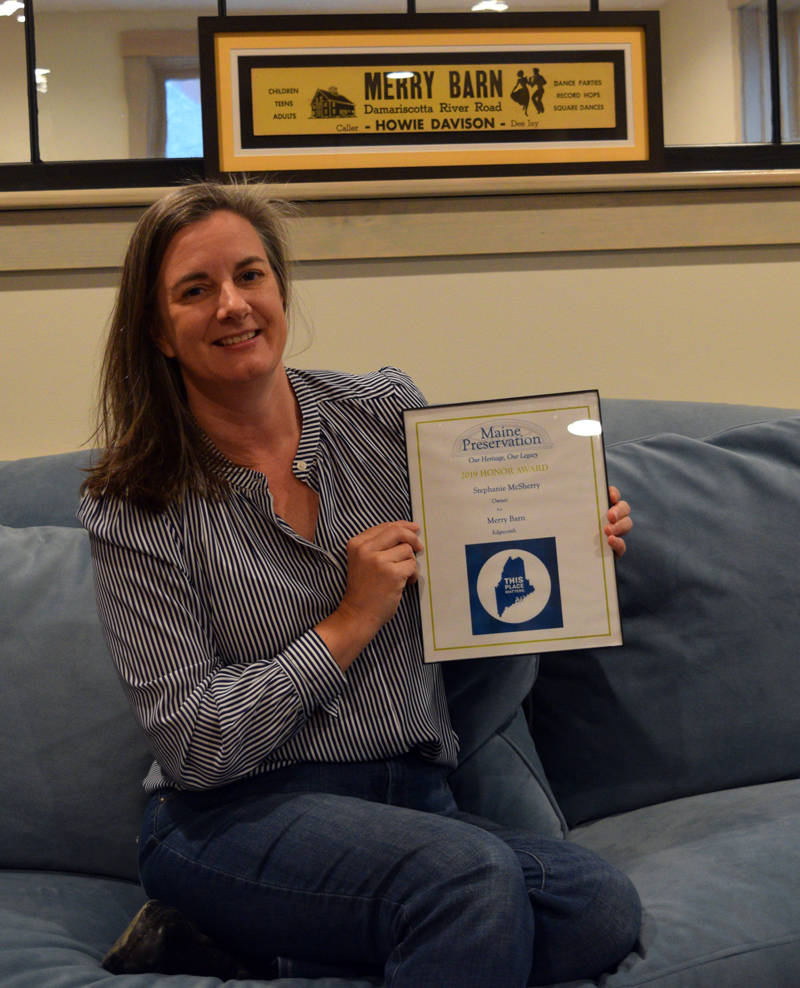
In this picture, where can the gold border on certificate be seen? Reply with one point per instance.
(430, 95)
(511, 497)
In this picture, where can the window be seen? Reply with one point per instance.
(162, 93)
(755, 79)
(117, 100)
(184, 137)
(759, 37)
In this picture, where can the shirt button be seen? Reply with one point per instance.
(302, 466)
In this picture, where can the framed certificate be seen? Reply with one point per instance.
(511, 497)
(344, 98)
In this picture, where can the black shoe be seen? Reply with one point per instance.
(160, 940)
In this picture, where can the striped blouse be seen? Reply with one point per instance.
(208, 609)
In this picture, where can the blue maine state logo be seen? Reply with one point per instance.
(514, 586)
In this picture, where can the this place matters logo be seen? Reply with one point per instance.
(514, 586)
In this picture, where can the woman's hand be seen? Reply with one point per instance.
(380, 562)
(619, 522)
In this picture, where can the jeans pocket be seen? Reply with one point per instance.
(163, 818)
(157, 824)
(158, 820)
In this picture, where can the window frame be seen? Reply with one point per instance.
(140, 173)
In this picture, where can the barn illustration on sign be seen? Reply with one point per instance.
(330, 103)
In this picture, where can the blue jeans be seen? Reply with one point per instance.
(370, 869)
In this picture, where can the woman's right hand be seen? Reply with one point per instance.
(380, 562)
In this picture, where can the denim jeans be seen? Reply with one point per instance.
(370, 869)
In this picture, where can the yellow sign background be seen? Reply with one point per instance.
(440, 99)
(231, 160)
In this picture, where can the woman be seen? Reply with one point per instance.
(520, 93)
(252, 550)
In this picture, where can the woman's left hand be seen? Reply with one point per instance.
(619, 522)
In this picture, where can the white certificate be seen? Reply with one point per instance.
(511, 497)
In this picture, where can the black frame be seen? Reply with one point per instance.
(493, 401)
(36, 175)
(649, 20)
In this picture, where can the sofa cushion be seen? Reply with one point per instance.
(703, 694)
(718, 879)
(42, 490)
(625, 419)
(71, 755)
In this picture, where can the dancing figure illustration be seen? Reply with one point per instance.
(538, 82)
(521, 93)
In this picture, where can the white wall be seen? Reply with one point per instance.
(707, 325)
(50, 333)
(712, 325)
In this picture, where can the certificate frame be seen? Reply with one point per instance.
(261, 78)
(511, 497)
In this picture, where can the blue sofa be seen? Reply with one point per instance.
(676, 756)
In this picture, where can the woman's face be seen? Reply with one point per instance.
(220, 308)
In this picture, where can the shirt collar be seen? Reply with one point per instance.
(309, 411)
(244, 477)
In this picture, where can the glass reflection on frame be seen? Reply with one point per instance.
(715, 69)
(141, 98)
(119, 108)
(789, 46)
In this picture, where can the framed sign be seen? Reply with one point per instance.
(511, 498)
(338, 98)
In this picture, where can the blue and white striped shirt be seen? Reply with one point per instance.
(208, 608)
